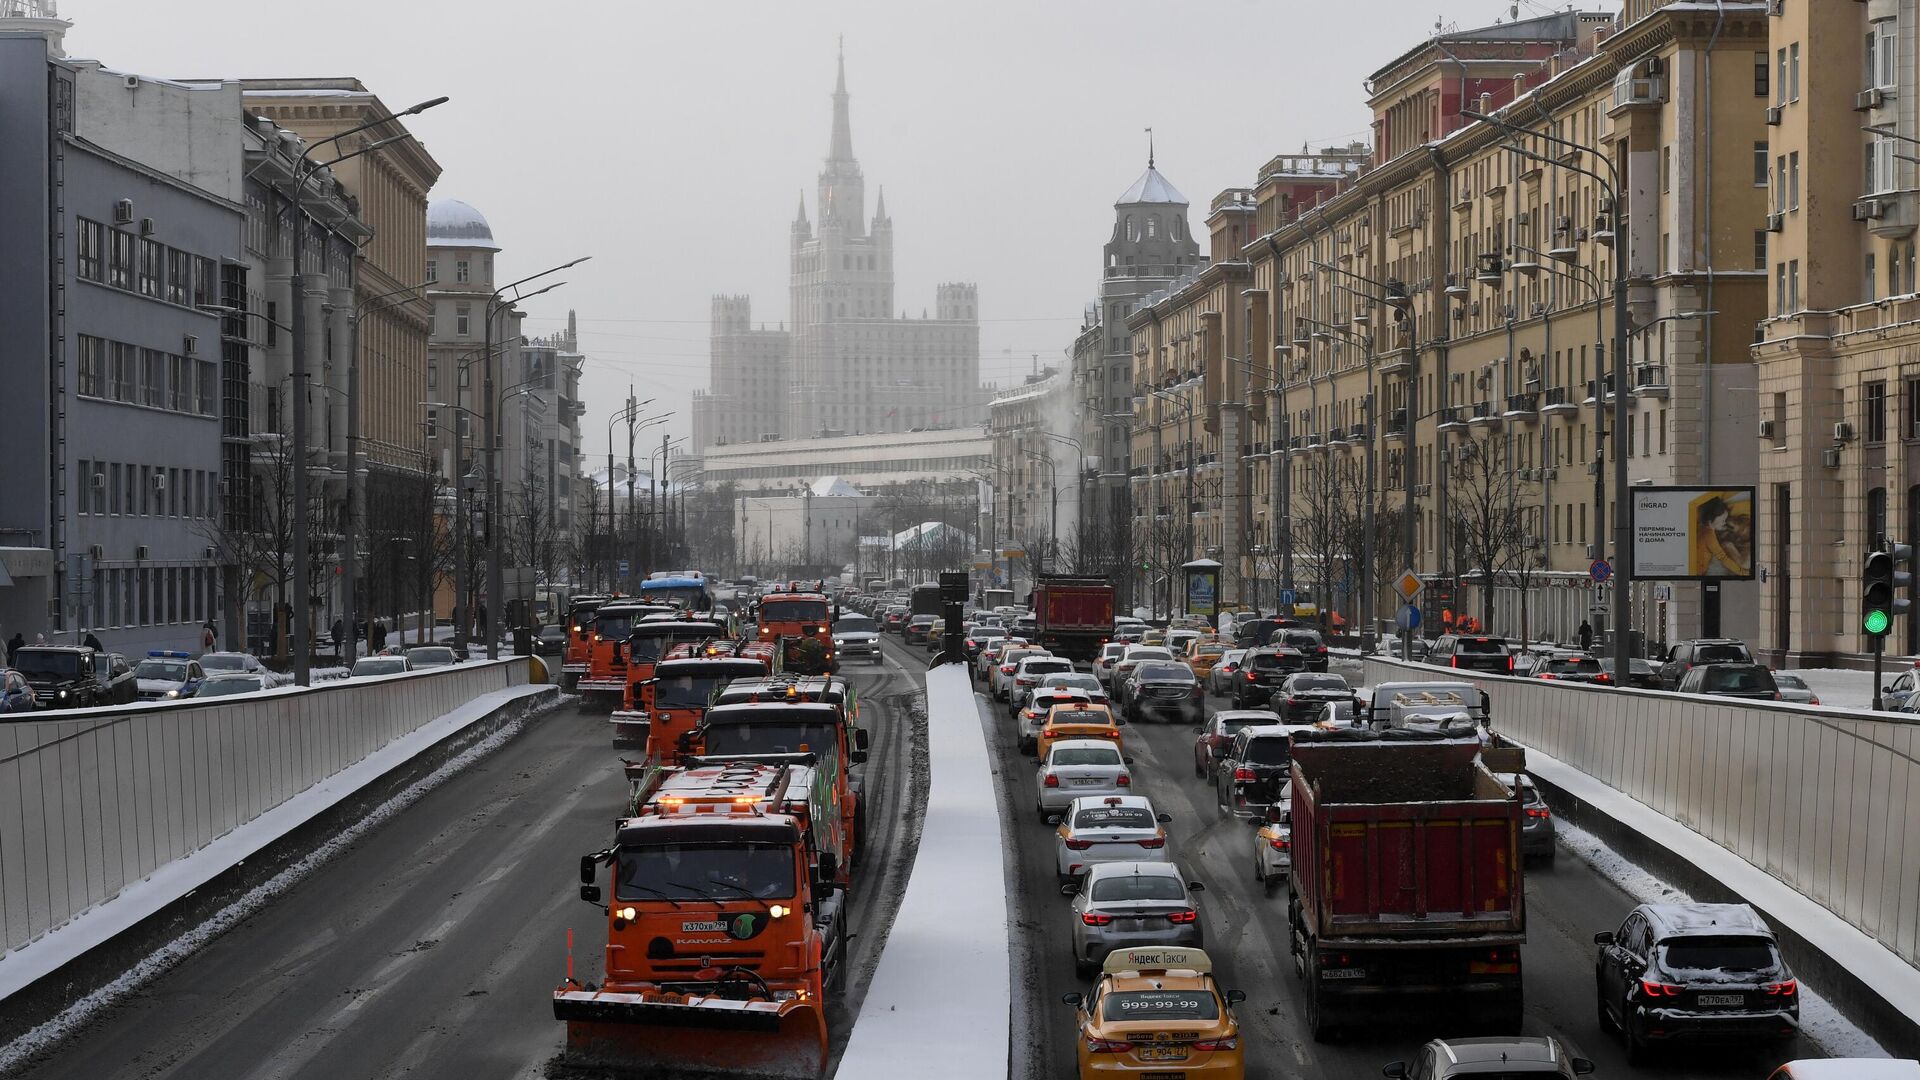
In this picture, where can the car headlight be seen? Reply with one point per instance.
(63, 693)
(839, 641)
(173, 693)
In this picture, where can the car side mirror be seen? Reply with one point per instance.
(1235, 997)
(1581, 1066)
(1199, 730)
(1195, 886)
(1074, 999)
(590, 893)
(1394, 1069)
(1070, 888)
(1163, 818)
(1124, 760)
(1886, 689)
(1604, 937)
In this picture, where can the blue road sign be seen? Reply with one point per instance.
(1600, 571)
(1408, 617)
(621, 567)
(1286, 596)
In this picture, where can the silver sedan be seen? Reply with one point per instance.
(1125, 905)
(1077, 767)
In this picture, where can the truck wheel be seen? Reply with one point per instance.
(1317, 1023)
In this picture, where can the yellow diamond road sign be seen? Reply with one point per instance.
(1408, 585)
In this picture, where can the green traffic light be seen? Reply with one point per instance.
(1877, 622)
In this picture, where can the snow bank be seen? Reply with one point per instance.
(953, 920)
(98, 925)
(1785, 908)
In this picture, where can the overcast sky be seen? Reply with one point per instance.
(671, 140)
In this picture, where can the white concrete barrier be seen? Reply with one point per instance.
(94, 800)
(953, 920)
(1825, 800)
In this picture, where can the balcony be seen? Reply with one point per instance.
(1559, 402)
(1453, 418)
(1524, 406)
(1358, 433)
(1396, 362)
(1595, 387)
(1650, 380)
(1483, 415)
(1397, 424)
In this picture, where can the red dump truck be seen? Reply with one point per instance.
(1074, 615)
(1406, 880)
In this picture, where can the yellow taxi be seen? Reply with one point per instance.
(1078, 720)
(1154, 636)
(1157, 1012)
(1203, 653)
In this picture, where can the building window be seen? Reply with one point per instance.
(89, 244)
(1780, 183)
(461, 318)
(1876, 411)
(1760, 74)
(1793, 72)
(181, 384)
(1871, 278)
(1760, 249)
(1793, 284)
(1911, 417)
(1780, 77)
(92, 366)
(273, 323)
(153, 268)
(433, 376)
(433, 270)
(1780, 289)
(1793, 180)
(1759, 164)
(1883, 51)
(433, 321)
(1666, 168)
(462, 270)
(120, 260)
(206, 277)
(153, 378)
(179, 275)
(207, 386)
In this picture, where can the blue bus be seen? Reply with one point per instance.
(681, 588)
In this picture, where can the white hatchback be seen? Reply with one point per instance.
(1078, 767)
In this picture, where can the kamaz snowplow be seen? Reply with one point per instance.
(726, 933)
(649, 639)
(668, 706)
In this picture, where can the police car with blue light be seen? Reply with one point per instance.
(166, 675)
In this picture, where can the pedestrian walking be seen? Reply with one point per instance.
(1586, 635)
(93, 643)
(209, 636)
(377, 636)
(14, 644)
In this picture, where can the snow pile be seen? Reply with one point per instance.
(953, 919)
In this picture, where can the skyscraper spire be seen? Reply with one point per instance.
(802, 215)
(880, 205)
(841, 148)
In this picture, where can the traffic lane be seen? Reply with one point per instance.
(1567, 903)
(429, 947)
(1246, 936)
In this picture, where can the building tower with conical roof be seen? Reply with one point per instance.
(849, 364)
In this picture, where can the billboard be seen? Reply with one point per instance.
(1203, 590)
(1692, 534)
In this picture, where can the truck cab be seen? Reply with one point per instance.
(726, 929)
(605, 680)
(573, 662)
(671, 702)
(648, 639)
(803, 619)
(770, 728)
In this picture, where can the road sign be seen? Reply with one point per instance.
(1407, 618)
(621, 567)
(1408, 585)
(1600, 571)
(1286, 597)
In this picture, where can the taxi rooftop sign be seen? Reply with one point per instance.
(1194, 960)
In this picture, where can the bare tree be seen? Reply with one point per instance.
(259, 541)
(1321, 536)
(1488, 508)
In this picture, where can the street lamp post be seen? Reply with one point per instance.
(303, 171)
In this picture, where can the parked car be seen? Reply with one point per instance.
(1751, 681)
(1212, 738)
(1108, 828)
(1122, 905)
(379, 665)
(1220, 678)
(1696, 973)
(1497, 1056)
(167, 674)
(422, 657)
(1795, 689)
(15, 695)
(62, 676)
(232, 682)
(1078, 767)
(1472, 652)
(1696, 651)
(1162, 690)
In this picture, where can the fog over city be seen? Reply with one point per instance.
(670, 140)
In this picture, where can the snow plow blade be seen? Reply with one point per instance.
(629, 727)
(651, 1034)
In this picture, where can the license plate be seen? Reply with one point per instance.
(1722, 999)
(1091, 781)
(1162, 1053)
(1343, 973)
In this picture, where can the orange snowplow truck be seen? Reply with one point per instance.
(649, 638)
(779, 725)
(726, 933)
(580, 611)
(605, 680)
(671, 703)
(801, 619)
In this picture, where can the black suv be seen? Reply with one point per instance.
(118, 684)
(62, 676)
(1263, 671)
(1705, 972)
(1696, 651)
(1301, 697)
(1445, 1058)
(1472, 652)
(1308, 643)
(1164, 688)
(1750, 681)
(1253, 770)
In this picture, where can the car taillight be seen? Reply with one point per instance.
(1453, 662)
(1547, 675)
(1107, 1046)
(1321, 650)
(1051, 780)
(1280, 843)
(1154, 842)
(1814, 700)
(1227, 1043)
(1243, 774)
(1658, 989)
(1113, 733)
(1198, 692)
(1251, 676)
(1124, 780)
(1079, 845)
(1776, 695)
(1094, 918)
(1006, 669)
(1186, 916)
(1781, 989)
(1539, 811)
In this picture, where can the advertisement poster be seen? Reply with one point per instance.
(1203, 591)
(1693, 534)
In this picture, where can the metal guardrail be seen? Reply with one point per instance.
(1826, 800)
(98, 799)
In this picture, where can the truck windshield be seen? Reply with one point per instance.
(1160, 1005)
(784, 737)
(800, 611)
(705, 872)
(685, 691)
(57, 665)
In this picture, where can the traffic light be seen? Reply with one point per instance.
(1880, 580)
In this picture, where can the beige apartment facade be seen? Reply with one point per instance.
(1443, 324)
(1838, 353)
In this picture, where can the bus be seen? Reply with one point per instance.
(681, 588)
